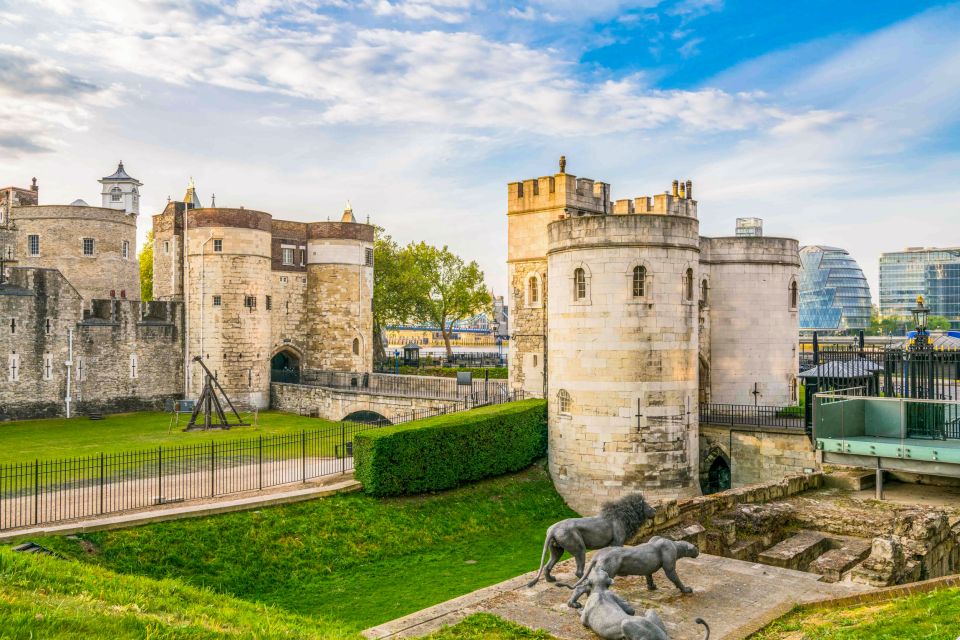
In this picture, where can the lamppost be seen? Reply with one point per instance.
(922, 340)
(495, 327)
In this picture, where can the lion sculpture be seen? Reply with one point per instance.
(612, 618)
(618, 521)
(642, 560)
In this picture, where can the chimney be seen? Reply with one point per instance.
(676, 187)
(683, 193)
(33, 185)
(690, 189)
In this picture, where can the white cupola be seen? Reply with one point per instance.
(121, 191)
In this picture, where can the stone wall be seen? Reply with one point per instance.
(336, 404)
(61, 231)
(125, 356)
(753, 329)
(756, 454)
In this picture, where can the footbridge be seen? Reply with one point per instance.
(374, 396)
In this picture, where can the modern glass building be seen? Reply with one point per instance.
(834, 294)
(932, 273)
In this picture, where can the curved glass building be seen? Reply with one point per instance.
(834, 294)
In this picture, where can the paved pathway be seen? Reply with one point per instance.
(224, 504)
(734, 597)
(136, 487)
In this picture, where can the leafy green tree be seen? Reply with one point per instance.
(884, 325)
(393, 298)
(938, 323)
(146, 269)
(445, 288)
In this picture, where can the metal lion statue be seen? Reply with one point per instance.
(618, 521)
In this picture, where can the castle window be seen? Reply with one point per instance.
(81, 371)
(269, 303)
(250, 302)
(283, 279)
(533, 290)
(218, 245)
(704, 293)
(579, 284)
(116, 194)
(639, 281)
(217, 301)
(13, 368)
(287, 256)
(369, 257)
(126, 249)
(688, 286)
(47, 326)
(88, 246)
(133, 366)
(356, 346)
(48, 366)
(564, 401)
(33, 243)
(794, 295)
(166, 247)
(13, 325)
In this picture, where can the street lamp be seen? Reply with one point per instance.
(495, 327)
(920, 313)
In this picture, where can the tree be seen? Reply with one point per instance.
(146, 269)
(445, 288)
(884, 325)
(393, 300)
(938, 323)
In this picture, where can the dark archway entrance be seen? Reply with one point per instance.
(718, 476)
(367, 417)
(285, 367)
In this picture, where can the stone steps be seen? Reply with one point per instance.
(796, 552)
(834, 563)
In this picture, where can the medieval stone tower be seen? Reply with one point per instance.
(265, 294)
(613, 321)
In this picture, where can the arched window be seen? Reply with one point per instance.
(116, 194)
(563, 401)
(639, 282)
(704, 292)
(533, 290)
(356, 346)
(688, 285)
(794, 295)
(579, 284)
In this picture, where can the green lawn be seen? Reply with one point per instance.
(51, 439)
(484, 626)
(926, 616)
(43, 597)
(353, 559)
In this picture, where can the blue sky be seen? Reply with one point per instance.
(836, 122)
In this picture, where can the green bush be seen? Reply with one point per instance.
(446, 451)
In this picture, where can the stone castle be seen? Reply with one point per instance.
(260, 294)
(625, 319)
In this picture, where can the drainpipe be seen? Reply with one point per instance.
(67, 399)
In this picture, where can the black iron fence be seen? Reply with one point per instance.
(48, 491)
(479, 390)
(751, 415)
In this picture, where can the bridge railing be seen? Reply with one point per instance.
(414, 386)
(751, 415)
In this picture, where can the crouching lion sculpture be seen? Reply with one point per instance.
(642, 560)
(612, 618)
(618, 522)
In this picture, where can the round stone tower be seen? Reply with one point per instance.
(228, 301)
(622, 347)
(339, 334)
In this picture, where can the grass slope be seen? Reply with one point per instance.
(43, 597)
(926, 616)
(54, 438)
(350, 558)
(484, 626)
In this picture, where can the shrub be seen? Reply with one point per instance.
(445, 451)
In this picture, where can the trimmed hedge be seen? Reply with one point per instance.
(445, 451)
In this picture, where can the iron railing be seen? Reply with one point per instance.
(415, 386)
(49, 491)
(751, 415)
